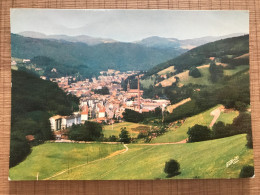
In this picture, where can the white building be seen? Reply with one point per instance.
(72, 120)
(62, 122)
(84, 114)
(26, 60)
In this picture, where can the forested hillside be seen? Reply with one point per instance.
(33, 101)
(80, 56)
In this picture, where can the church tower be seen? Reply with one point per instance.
(139, 101)
(128, 86)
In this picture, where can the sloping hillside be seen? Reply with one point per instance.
(198, 56)
(33, 101)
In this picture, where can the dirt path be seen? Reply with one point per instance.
(94, 161)
(216, 114)
(167, 143)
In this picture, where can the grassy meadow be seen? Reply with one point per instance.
(205, 159)
(197, 160)
(50, 158)
(204, 79)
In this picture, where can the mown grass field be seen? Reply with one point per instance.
(50, 158)
(228, 117)
(108, 130)
(204, 118)
(167, 70)
(201, 160)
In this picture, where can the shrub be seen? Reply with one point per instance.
(112, 138)
(172, 168)
(194, 72)
(247, 171)
(198, 133)
(141, 135)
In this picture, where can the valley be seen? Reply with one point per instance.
(128, 117)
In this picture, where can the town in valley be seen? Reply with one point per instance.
(103, 108)
(116, 95)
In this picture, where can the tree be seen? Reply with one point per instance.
(240, 106)
(158, 111)
(90, 131)
(194, 72)
(220, 130)
(132, 116)
(216, 72)
(247, 171)
(172, 168)
(124, 136)
(112, 138)
(242, 123)
(198, 133)
(103, 91)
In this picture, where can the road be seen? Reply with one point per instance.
(216, 114)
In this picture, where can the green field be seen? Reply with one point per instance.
(109, 130)
(236, 70)
(50, 158)
(228, 117)
(204, 118)
(197, 160)
(205, 78)
(201, 160)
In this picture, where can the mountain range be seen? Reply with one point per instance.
(80, 38)
(89, 55)
(153, 41)
(95, 58)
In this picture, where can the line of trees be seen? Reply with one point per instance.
(241, 124)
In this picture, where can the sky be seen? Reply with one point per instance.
(130, 25)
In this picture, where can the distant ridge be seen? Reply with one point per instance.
(80, 38)
(153, 41)
(161, 42)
